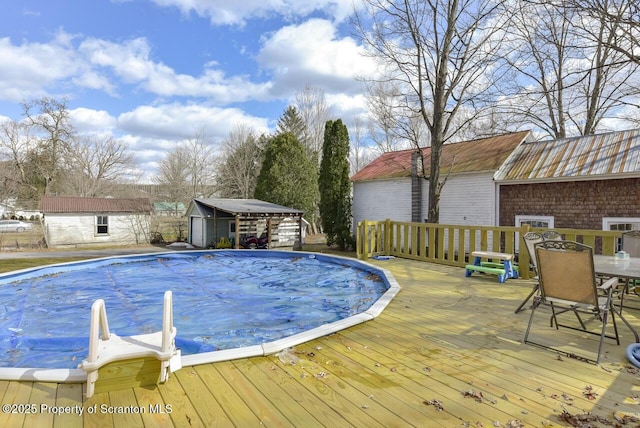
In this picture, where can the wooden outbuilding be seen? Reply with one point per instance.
(243, 223)
(584, 182)
(77, 221)
(394, 186)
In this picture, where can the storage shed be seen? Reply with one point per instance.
(77, 221)
(243, 223)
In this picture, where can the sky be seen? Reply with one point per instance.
(156, 72)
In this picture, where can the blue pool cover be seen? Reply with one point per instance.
(221, 300)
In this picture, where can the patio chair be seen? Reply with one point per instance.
(631, 243)
(530, 239)
(568, 283)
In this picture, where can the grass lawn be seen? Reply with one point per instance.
(8, 265)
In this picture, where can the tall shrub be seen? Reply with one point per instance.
(334, 185)
(288, 177)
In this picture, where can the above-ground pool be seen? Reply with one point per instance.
(226, 304)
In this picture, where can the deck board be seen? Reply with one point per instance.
(277, 396)
(148, 398)
(445, 341)
(16, 393)
(120, 399)
(268, 414)
(41, 394)
(68, 396)
(210, 413)
(226, 395)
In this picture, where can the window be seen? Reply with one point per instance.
(541, 221)
(622, 224)
(102, 224)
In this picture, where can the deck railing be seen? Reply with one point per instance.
(452, 244)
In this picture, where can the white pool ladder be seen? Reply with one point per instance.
(106, 347)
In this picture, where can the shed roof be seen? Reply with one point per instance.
(485, 154)
(67, 204)
(248, 207)
(610, 155)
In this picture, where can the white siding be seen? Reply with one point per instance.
(382, 199)
(465, 199)
(75, 230)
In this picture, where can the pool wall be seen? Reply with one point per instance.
(269, 348)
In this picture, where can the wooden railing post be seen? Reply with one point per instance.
(359, 240)
(387, 237)
(524, 261)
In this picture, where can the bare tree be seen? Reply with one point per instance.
(384, 107)
(16, 148)
(312, 107)
(201, 157)
(620, 18)
(239, 165)
(94, 164)
(567, 73)
(173, 174)
(360, 152)
(49, 120)
(440, 54)
(188, 170)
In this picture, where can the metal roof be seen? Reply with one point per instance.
(486, 154)
(607, 155)
(247, 206)
(66, 204)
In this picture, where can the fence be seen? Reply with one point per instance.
(452, 244)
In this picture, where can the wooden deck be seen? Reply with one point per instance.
(446, 352)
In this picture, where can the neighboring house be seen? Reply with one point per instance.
(13, 208)
(589, 182)
(393, 187)
(211, 220)
(169, 209)
(77, 222)
(7, 208)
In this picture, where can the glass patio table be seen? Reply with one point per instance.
(626, 269)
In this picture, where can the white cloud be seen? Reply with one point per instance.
(86, 120)
(131, 62)
(27, 70)
(224, 12)
(177, 121)
(347, 107)
(312, 53)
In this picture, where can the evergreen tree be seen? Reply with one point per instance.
(334, 185)
(293, 123)
(288, 177)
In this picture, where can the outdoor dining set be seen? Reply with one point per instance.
(570, 278)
